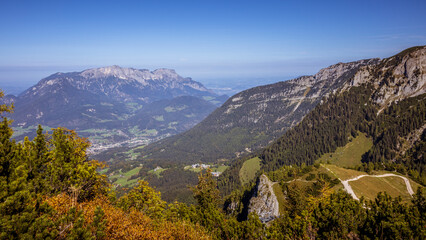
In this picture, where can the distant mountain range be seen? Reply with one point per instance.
(113, 105)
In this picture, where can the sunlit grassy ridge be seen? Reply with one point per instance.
(123, 178)
(249, 169)
(343, 173)
(350, 155)
(368, 187)
(280, 197)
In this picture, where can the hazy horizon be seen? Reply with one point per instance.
(16, 80)
(213, 42)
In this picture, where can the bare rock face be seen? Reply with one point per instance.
(264, 202)
(290, 95)
(395, 78)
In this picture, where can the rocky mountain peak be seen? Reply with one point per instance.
(119, 72)
(167, 78)
(398, 77)
(337, 70)
(166, 73)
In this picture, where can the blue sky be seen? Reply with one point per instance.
(206, 40)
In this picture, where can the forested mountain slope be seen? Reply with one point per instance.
(386, 101)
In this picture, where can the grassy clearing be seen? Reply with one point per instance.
(214, 168)
(132, 172)
(132, 154)
(175, 109)
(123, 178)
(221, 168)
(157, 171)
(132, 106)
(18, 131)
(126, 182)
(280, 197)
(342, 173)
(159, 118)
(369, 187)
(196, 170)
(103, 171)
(169, 109)
(249, 169)
(208, 98)
(349, 155)
(172, 125)
(414, 184)
(149, 132)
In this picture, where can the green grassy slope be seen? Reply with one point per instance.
(122, 179)
(350, 155)
(368, 187)
(249, 169)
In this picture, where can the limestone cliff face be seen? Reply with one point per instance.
(264, 202)
(395, 78)
(286, 102)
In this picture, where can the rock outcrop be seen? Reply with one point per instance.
(264, 202)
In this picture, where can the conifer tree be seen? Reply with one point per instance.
(143, 198)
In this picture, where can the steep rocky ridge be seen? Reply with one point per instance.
(255, 117)
(264, 202)
(395, 78)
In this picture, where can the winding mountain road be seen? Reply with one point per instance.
(349, 189)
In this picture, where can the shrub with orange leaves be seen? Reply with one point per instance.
(116, 223)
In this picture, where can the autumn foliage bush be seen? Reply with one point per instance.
(118, 223)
